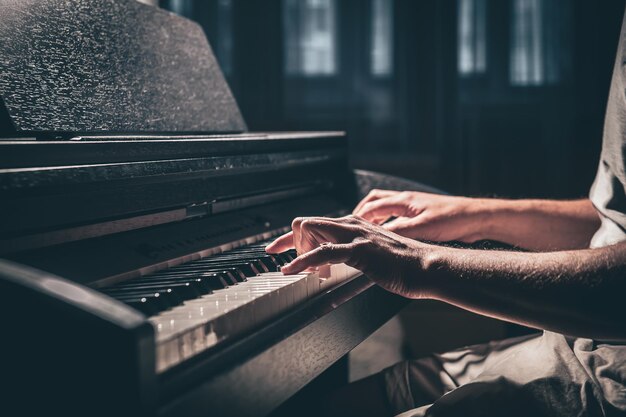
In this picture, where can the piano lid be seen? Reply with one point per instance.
(95, 66)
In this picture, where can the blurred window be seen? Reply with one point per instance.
(310, 37)
(472, 42)
(181, 7)
(224, 46)
(540, 42)
(527, 66)
(381, 63)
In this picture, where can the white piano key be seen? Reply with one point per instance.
(200, 323)
(168, 327)
(168, 354)
(325, 283)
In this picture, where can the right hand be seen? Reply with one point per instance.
(425, 216)
(394, 262)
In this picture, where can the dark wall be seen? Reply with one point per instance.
(477, 133)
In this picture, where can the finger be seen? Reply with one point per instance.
(381, 210)
(372, 196)
(330, 226)
(325, 230)
(315, 231)
(401, 225)
(281, 244)
(325, 254)
(297, 236)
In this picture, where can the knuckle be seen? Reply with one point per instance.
(326, 248)
(308, 224)
(360, 246)
(358, 251)
(352, 219)
(297, 222)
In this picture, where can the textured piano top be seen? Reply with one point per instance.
(92, 66)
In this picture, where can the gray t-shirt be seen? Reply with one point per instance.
(608, 192)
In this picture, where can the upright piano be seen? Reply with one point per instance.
(134, 211)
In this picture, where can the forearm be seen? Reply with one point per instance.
(573, 292)
(540, 224)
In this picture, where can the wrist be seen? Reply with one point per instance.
(486, 215)
(432, 270)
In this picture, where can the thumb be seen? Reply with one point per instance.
(380, 210)
(404, 226)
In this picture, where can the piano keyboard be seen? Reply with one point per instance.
(197, 304)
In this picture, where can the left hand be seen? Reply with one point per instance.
(427, 216)
(394, 262)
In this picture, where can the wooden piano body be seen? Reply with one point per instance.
(122, 154)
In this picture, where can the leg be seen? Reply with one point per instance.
(421, 382)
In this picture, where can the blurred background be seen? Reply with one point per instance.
(477, 97)
(481, 97)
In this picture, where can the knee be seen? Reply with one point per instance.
(486, 399)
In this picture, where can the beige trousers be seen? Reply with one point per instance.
(545, 374)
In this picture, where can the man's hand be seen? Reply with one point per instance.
(394, 262)
(538, 225)
(426, 216)
(578, 292)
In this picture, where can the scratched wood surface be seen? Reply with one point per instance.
(108, 66)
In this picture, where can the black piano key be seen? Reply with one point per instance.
(232, 274)
(215, 281)
(249, 269)
(234, 259)
(165, 289)
(201, 284)
(188, 292)
(148, 304)
(185, 290)
(257, 256)
(269, 262)
(283, 258)
(167, 298)
(194, 269)
(234, 252)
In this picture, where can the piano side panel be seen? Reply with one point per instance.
(70, 351)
